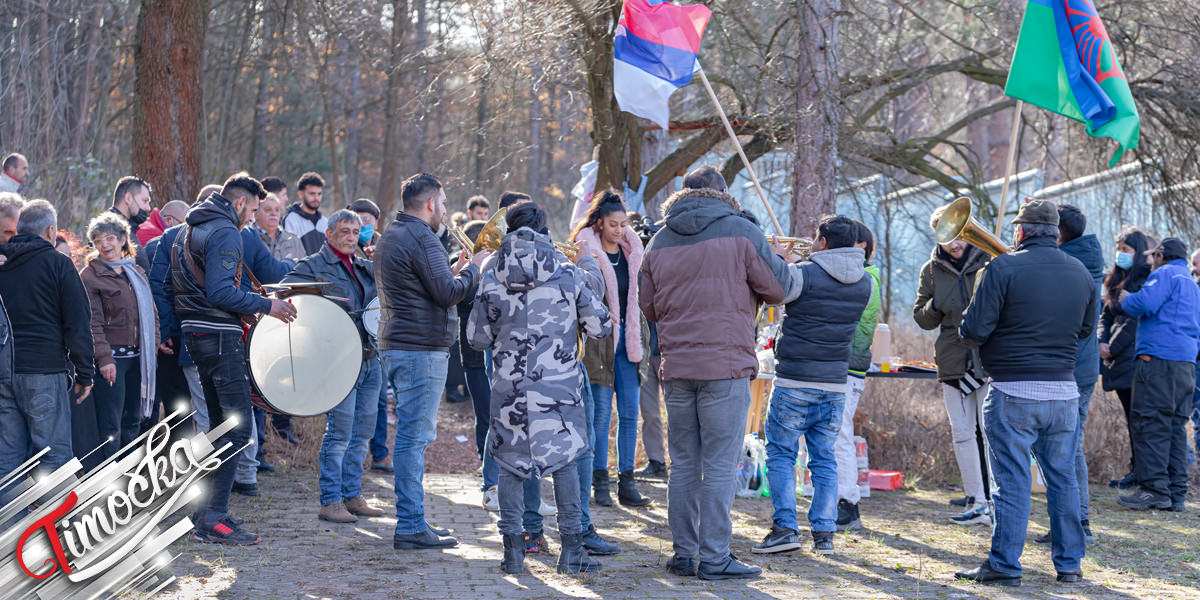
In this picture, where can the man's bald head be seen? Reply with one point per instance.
(172, 213)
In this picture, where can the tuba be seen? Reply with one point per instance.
(956, 223)
(489, 238)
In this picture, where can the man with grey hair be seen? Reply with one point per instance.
(349, 426)
(10, 211)
(1029, 311)
(15, 171)
(51, 324)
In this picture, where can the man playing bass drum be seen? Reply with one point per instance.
(349, 426)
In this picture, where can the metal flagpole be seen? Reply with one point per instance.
(1009, 166)
(737, 144)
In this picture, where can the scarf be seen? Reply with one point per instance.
(145, 304)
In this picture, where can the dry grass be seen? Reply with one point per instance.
(905, 424)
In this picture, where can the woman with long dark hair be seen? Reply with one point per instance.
(1118, 331)
(612, 362)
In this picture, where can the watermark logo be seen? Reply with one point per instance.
(105, 533)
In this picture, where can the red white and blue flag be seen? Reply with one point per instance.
(655, 54)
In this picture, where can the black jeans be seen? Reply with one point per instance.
(221, 361)
(119, 406)
(1162, 403)
(171, 388)
(481, 398)
(1125, 395)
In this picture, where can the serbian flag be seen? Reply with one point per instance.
(654, 54)
(1065, 63)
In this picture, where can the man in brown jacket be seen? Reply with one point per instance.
(701, 280)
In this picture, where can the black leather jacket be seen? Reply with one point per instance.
(326, 266)
(215, 243)
(417, 290)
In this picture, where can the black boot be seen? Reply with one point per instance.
(573, 558)
(627, 492)
(600, 487)
(514, 554)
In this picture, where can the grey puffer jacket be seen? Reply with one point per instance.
(529, 311)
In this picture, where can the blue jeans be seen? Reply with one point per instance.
(1015, 427)
(345, 443)
(1081, 468)
(628, 391)
(816, 415)
(418, 379)
(35, 416)
(221, 361)
(379, 449)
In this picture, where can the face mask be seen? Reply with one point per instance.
(1124, 260)
(139, 218)
(366, 233)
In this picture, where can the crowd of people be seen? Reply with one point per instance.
(545, 346)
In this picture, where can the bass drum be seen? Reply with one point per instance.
(371, 315)
(307, 367)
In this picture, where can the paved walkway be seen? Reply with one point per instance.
(910, 550)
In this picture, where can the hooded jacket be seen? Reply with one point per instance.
(529, 311)
(1086, 249)
(152, 228)
(942, 295)
(417, 290)
(213, 237)
(47, 308)
(702, 278)
(822, 314)
(1030, 309)
(1167, 308)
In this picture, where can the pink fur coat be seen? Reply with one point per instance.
(632, 245)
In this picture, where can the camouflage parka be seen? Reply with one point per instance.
(529, 311)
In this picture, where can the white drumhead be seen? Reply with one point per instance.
(307, 367)
(370, 318)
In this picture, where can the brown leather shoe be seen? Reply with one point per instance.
(358, 506)
(336, 513)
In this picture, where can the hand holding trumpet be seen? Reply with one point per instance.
(791, 249)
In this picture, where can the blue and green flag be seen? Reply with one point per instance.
(1065, 64)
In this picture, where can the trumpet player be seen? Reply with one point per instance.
(418, 291)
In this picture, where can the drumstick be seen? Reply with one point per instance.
(291, 356)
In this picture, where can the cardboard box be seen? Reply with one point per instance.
(885, 480)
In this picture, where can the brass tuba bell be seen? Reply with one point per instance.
(956, 223)
(489, 237)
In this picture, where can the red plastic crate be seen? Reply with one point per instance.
(885, 480)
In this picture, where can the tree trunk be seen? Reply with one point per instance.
(167, 105)
(271, 34)
(814, 173)
(386, 195)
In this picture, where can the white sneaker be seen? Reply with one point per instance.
(491, 500)
(547, 510)
(980, 514)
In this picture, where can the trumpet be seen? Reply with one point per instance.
(801, 247)
(569, 249)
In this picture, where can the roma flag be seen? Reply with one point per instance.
(1065, 63)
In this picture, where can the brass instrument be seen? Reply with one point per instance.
(956, 223)
(801, 247)
(489, 238)
(569, 249)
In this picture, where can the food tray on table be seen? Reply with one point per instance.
(914, 369)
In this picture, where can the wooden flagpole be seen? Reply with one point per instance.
(1009, 167)
(737, 144)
